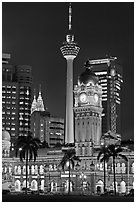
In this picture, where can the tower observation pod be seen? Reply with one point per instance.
(69, 50)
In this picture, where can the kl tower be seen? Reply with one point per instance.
(69, 50)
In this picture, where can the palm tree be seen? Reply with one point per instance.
(26, 147)
(69, 158)
(114, 151)
(103, 156)
(103, 152)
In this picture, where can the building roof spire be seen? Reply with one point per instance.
(40, 105)
(70, 18)
(34, 103)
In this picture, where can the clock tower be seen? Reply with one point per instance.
(87, 112)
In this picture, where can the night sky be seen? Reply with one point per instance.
(33, 33)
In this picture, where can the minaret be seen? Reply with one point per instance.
(40, 105)
(69, 50)
(34, 104)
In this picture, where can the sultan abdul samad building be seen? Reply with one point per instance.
(84, 118)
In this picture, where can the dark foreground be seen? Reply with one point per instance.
(64, 198)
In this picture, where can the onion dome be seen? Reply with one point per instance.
(88, 76)
(5, 135)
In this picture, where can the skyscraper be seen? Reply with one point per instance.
(16, 98)
(110, 78)
(69, 50)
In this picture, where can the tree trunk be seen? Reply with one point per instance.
(104, 177)
(69, 179)
(26, 169)
(114, 175)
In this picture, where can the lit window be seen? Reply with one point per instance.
(100, 73)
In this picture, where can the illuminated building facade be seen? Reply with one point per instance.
(110, 78)
(69, 50)
(16, 98)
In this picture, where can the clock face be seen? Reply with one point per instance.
(83, 97)
(96, 97)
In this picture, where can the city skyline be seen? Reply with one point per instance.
(99, 29)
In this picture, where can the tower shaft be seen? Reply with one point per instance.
(69, 128)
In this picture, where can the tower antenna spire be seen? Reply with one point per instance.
(70, 17)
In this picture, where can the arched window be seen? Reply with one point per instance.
(32, 169)
(41, 169)
(5, 169)
(100, 186)
(55, 167)
(15, 169)
(36, 169)
(123, 187)
(50, 167)
(17, 185)
(123, 169)
(118, 168)
(24, 169)
(10, 169)
(34, 185)
(19, 170)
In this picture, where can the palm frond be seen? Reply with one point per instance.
(123, 156)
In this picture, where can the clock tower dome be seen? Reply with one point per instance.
(87, 111)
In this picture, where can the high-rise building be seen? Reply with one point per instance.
(48, 129)
(69, 50)
(110, 78)
(16, 98)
